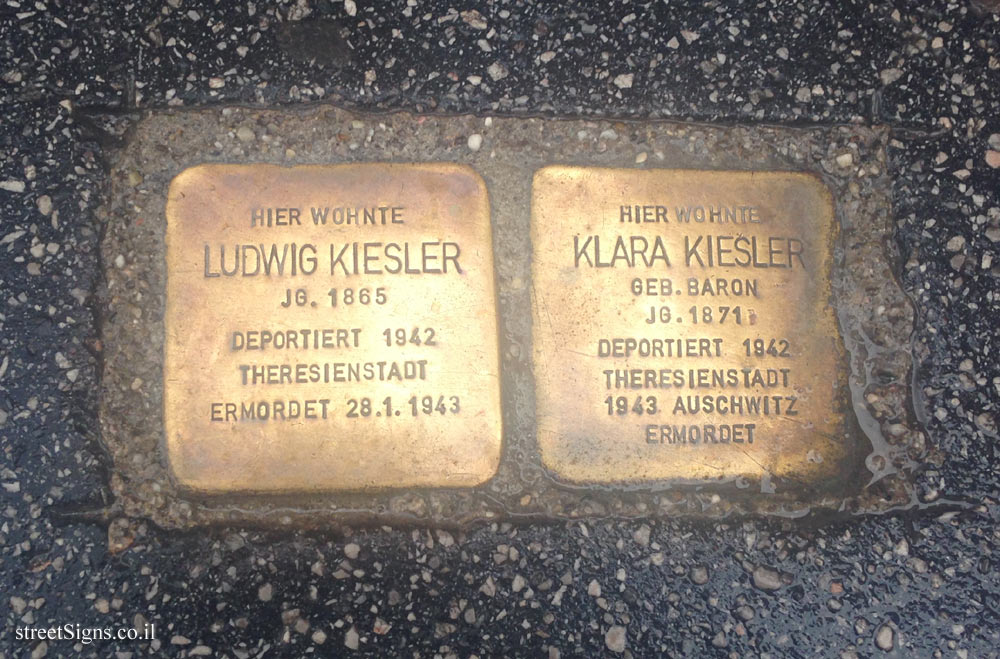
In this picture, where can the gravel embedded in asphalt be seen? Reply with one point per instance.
(930, 70)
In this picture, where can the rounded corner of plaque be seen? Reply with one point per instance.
(183, 177)
(187, 179)
(847, 467)
(465, 168)
(836, 474)
(491, 465)
(185, 479)
(545, 171)
(460, 169)
(816, 181)
(556, 469)
(484, 475)
(182, 479)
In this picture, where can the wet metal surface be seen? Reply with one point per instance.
(330, 328)
(684, 326)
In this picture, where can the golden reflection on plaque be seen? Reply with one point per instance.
(330, 328)
(683, 327)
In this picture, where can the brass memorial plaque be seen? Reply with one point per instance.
(683, 328)
(327, 339)
(330, 328)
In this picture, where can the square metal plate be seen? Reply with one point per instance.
(683, 325)
(324, 328)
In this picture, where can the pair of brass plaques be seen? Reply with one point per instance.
(334, 327)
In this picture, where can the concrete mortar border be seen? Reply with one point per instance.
(875, 316)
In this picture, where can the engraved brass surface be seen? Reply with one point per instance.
(330, 328)
(683, 327)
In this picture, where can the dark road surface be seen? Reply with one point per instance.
(922, 581)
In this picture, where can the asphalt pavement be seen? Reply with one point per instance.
(918, 581)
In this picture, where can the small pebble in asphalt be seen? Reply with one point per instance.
(615, 639)
(641, 536)
(699, 574)
(351, 638)
(884, 638)
(766, 579)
